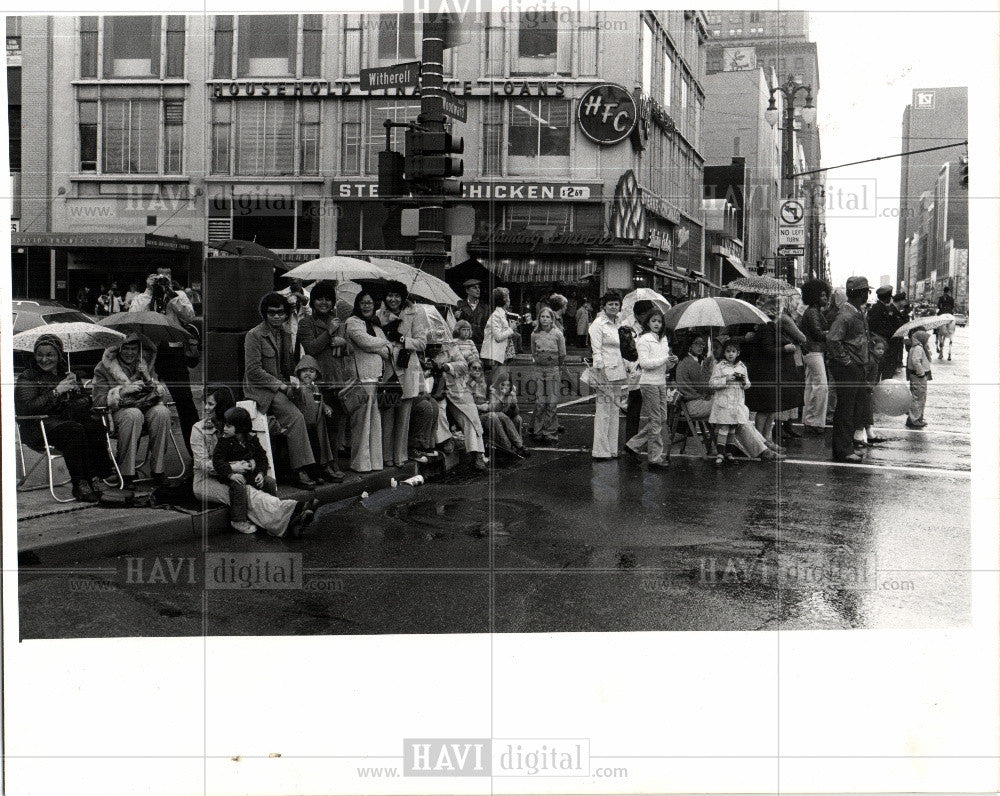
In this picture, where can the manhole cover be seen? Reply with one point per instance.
(473, 516)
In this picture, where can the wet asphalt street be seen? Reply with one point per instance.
(561, 543)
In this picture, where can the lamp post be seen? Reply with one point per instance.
(789, 91)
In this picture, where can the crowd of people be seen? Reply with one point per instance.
(819, 356)
(376, 384)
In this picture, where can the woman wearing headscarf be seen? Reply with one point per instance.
(47, 387)
(125, 382)
(370, 351)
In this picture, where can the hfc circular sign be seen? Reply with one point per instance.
(607, 114)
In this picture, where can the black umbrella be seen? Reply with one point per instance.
(469, 269)
(247, 248)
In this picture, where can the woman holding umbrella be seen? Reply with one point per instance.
(47, 387)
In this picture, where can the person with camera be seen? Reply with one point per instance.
(126, 383)
(164, 296)
(48, 387)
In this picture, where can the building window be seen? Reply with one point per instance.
(492, 136)
(265, 141)
(267, 45)
(175, 46)
(588, 218)
(89, 27)
(14, 123)
(173, 136)
(352, 44)
(132, 46)
(539, 128)
(312, 44)
(372, 226)
(378, 112)
(279, 223)
(493, 35)
(538, 217)
(668, 79)
(222, 65)
(350, 138)
(222, 123)
(647, 59)
(800, 64)
(755, 16)
(88, 136)
(130, 132)
(309, 138)
(397, 37)
(736, 147)
(538, 34)
(587, 46)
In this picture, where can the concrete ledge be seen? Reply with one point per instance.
(97, 532)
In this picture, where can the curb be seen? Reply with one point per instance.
(135, 529)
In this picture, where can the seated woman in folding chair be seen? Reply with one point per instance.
(126, 383)
(692, 375)
(46, 387)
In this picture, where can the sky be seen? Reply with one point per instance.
(869, 64)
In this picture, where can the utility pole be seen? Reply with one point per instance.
(430, 253)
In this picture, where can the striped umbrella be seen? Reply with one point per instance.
(712, 311)
(761, 285)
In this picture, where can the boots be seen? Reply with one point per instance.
(83, 491)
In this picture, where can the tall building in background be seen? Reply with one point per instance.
(777, 42)
(933, 247)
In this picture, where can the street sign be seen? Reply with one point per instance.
(454, 107)
(792, 236)
(396, 76)
(791, 251)
(791, 212)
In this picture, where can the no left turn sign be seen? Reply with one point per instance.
(791, 212)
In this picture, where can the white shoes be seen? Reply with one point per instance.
(244, 527)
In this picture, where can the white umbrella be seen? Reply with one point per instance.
(74, 336)
(338, 268)
(643, 294)
(712, 311)
(928, 322)
(419, 283)
(438, 330)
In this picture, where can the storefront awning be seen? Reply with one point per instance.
(737, 265)
(558, 271)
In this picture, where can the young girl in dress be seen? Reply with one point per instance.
(729, 410)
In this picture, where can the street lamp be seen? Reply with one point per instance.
(789, 91)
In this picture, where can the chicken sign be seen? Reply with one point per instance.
(606, 114)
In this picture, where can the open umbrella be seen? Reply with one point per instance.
(928, 322)
(438, 330)
(338, 268)
(419, 283)
(761, 285)
(74, 336)
(715, 311)
(248, 248)
(642, 294)
(158, 328)
(468, 269)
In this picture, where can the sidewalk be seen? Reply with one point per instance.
(57, 533)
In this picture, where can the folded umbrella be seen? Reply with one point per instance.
(927, 322)
(715, 311)
(338, 268)
(153, 325)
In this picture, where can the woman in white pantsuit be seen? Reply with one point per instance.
(371, 350)
(608, 377)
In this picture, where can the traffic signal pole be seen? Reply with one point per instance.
(430, 253)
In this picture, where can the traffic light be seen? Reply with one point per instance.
(429, 164)
(964, 170)
(390, 174)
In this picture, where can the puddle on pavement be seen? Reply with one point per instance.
(499, 517)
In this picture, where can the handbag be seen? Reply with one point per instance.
(389, 393)
(352, 395)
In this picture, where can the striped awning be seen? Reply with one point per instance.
(513, 269)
